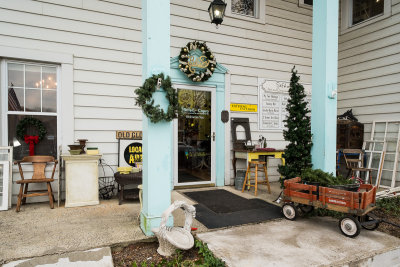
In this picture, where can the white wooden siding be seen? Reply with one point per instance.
(369, 71)
(105, 40)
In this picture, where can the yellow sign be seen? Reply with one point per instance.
(243, 107)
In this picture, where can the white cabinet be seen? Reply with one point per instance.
(81, 180)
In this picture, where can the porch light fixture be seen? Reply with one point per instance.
(217, 11)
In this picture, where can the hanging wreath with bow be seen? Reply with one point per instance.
(197, 68)
(144, 99)
(31, 140)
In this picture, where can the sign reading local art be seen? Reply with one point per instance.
(272, 100)
(130, 148)
(133, 153)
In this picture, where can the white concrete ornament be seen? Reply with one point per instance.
(172, 238)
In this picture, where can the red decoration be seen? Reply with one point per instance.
(31, 140)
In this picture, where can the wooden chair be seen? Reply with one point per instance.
(247, 180)
(355, 163)
(39, 165)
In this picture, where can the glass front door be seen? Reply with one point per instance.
(195, 136)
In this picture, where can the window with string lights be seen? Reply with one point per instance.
(32, 90)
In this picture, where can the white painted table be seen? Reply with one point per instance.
(81, 180)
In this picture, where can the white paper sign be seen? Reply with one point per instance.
(273, 96)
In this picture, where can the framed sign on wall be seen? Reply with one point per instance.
(129, 148)
(272, 100)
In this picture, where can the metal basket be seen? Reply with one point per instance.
(107, 186)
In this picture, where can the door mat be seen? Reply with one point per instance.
(222, 201)
(220, 208)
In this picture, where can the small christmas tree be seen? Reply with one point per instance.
(298, 133)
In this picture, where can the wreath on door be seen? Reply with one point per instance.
(198, 69)
(144, 95)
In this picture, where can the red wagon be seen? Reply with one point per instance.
(355, 205)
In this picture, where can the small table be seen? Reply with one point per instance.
(81, 180)
(249, 155)
(127, 179)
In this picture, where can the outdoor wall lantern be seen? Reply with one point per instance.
(217, 11)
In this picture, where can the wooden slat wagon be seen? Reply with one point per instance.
(355, 205)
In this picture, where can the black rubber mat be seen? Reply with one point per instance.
(232, 210)
(222, 201)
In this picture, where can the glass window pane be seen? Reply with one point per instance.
(15, 75)
(15, 99)
(308, 2)
(49, 103)
(243, 7)
(366, 9)
(32, 100)
(32, 76)
(49, 76)
(47, 146)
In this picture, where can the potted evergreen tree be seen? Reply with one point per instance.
(298, 123)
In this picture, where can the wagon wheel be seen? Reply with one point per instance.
(289, 211)
(368, 219)
(306, 208)
(350, 226)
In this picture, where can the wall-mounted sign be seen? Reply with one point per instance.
(272, 99)
(133, 153)
(135, 135)
(243, 107)
(129, 148)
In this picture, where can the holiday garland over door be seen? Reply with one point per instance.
(298, 151)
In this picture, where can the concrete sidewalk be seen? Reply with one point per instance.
(305, 242)
(40, 231)
(98, 257)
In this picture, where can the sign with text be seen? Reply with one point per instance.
(133, 153)
(129, 148)
(273, 96)
(133, 135)
(243, 107)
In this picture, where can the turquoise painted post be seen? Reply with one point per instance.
(157, 138)
(324, 84)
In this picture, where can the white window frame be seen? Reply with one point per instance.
(65, 112)
(5, 185)
(259, 16)
(347, 16)
(4, 95)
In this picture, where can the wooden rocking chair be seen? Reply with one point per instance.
(39, 165)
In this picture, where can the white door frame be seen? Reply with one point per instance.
(213, 124)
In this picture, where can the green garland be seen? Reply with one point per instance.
(145, 101)
(21, 127)
(209, 65)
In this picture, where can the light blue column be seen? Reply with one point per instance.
(157, 138)
(324, 84)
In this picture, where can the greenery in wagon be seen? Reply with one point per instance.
(324, 178)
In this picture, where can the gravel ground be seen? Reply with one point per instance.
(387, 228)
(146, 252)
